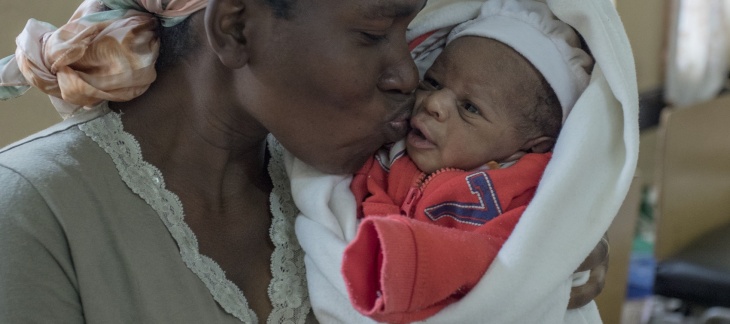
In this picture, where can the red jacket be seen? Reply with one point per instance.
(403, 269)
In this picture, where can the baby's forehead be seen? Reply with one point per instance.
(477, 60)
(490, 74)
(481, 49)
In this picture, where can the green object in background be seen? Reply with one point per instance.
(642, 263)
(646, 226)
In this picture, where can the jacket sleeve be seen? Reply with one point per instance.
(398, 269)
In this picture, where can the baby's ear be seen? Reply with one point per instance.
(542, 144)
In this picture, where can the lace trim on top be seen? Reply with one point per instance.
(287, 289)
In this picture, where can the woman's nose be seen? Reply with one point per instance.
(401, 76)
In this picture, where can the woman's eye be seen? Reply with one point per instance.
(471, 108)
(429, 84)
(373, 38)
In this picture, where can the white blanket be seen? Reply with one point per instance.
(580, 193)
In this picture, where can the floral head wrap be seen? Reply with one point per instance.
(96, 56)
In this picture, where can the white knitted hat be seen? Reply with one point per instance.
(530, 28)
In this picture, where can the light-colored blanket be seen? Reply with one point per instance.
(580, 193)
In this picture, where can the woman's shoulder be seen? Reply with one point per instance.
(61, 148)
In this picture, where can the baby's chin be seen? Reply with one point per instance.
(424, 162)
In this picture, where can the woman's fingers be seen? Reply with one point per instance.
(597, 263)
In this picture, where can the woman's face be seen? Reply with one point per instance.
(335, 81)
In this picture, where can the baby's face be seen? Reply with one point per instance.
(465, 114)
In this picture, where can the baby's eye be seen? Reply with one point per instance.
(429, 84)
(471, 108)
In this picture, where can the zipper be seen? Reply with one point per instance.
(414, 194)
(424, 180)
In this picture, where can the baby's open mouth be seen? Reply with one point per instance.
(418, 139)
(417, 132)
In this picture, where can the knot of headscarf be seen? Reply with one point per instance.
(97, 56)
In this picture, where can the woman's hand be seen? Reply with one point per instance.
(597, 263)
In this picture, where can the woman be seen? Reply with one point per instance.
(93, 229)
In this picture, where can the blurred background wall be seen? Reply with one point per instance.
(32, 112)
(644, 21)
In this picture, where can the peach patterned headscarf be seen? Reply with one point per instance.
(97, 56)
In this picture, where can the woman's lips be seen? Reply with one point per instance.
(399, 123)
(400, 128)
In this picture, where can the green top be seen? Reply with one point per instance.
(89, 235)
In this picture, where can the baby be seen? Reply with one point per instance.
(437, 207)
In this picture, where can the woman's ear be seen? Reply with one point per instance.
(224, 28)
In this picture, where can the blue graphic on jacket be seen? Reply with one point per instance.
(479, 213)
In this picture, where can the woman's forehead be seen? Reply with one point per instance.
(391, 8)
(373, 9)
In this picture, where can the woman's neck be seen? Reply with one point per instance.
(200, 140)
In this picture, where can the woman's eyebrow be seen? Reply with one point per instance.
(390, 9)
